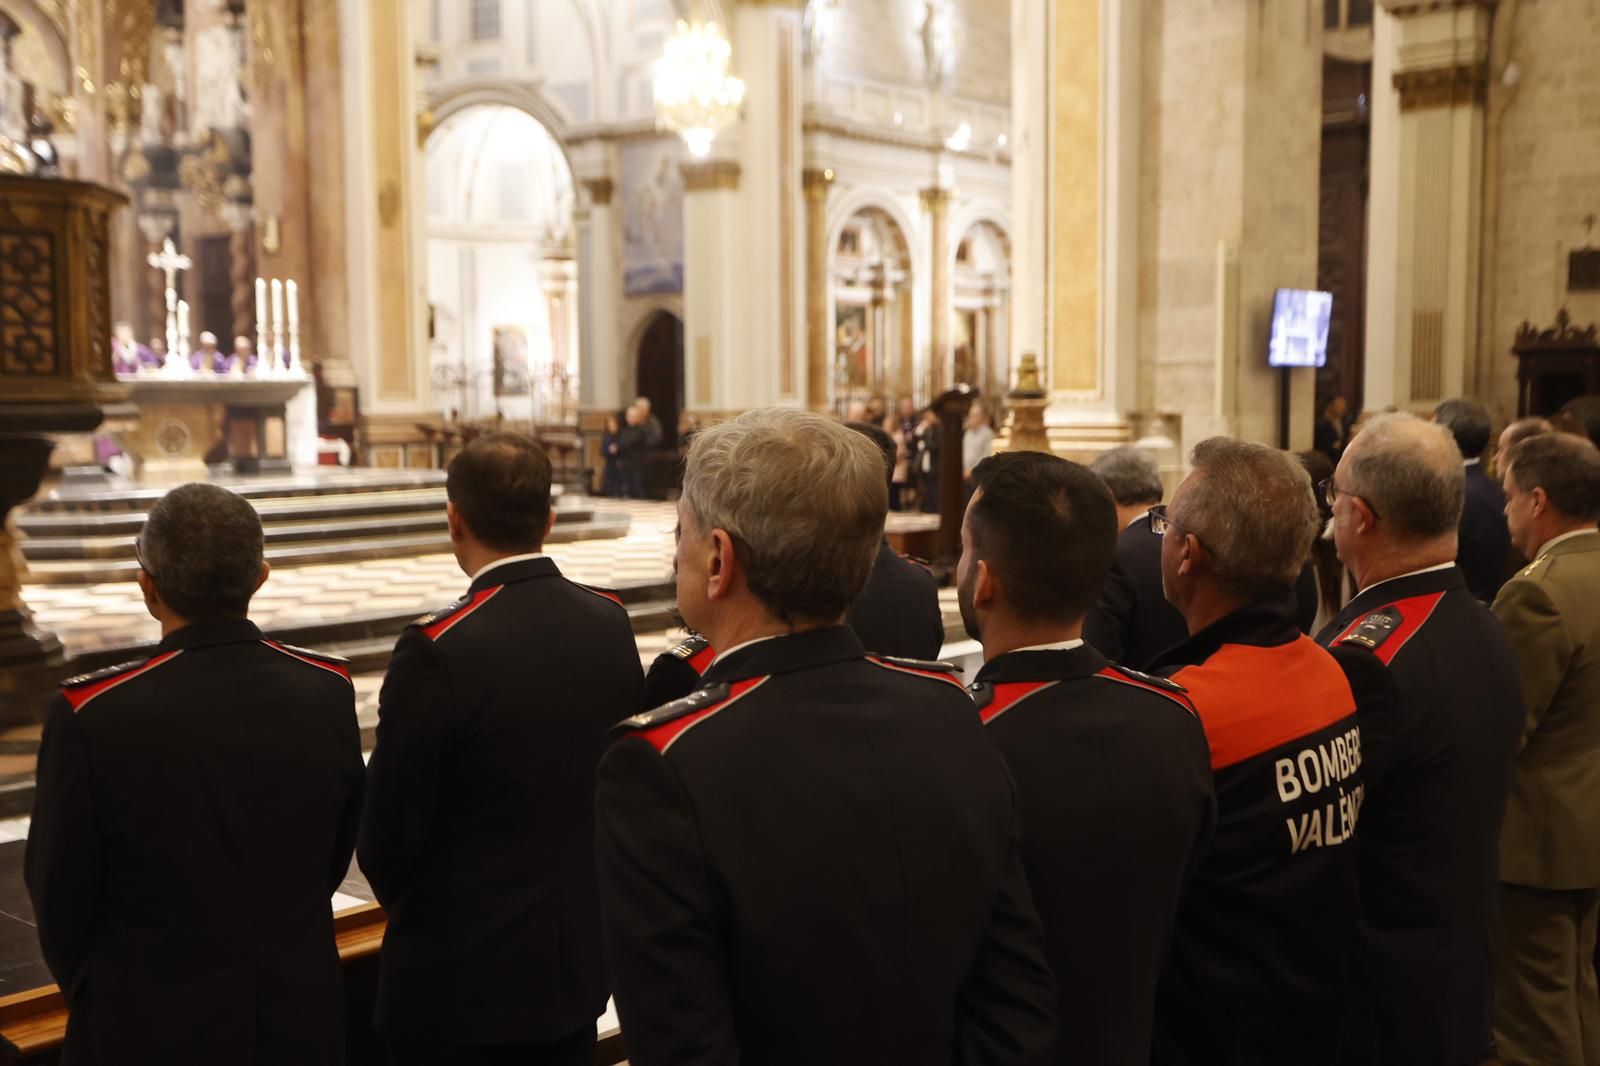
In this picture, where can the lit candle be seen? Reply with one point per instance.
(183, 334)
(263, 364)
(293, 292)
(277, 323)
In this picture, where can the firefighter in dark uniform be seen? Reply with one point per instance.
(1112, 771)
(194, 812)
(478, 835)
(814, 857)
(897, 614)
(1259, 971)
(1441, 714)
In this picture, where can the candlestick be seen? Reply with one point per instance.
(183, 336)
(292, 292)
(277, 324)
(172, 328)
(261, 324)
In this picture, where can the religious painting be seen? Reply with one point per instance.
(850, 243)
(510, 361)
(652, 217)
(852, 346)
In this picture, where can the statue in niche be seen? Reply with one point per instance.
(219, 101)
(938, 41)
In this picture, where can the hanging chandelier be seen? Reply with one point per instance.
(695, 96)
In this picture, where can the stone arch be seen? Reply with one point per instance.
(460, 95)
(851, 202)
(640, 313)
(36, 20)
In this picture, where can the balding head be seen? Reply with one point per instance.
(1398, 494)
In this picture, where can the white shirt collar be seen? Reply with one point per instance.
(1474, 462)
(1140, 517)
(721, 655)
(1402, 577)
(506, 562)
(1060, 645)
(1553, 541)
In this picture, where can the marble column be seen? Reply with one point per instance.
(819, 337)
(601, 282)
(559, 388)
(1429, 87)
(936, 202)
(716, 376)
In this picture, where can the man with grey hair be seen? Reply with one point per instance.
(219, 775)
(1484, 542)
(1260, 953)
(814, 857)
(1132, 622)
(1440, 711)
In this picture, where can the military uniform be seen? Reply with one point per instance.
(814, 859)
(1259, 968)
(194, 812)
(478, 835)
(1437, 686)
(1113, 781)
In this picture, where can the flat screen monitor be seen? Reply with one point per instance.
(1300, 328)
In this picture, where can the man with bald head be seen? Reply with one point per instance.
(1441, 707)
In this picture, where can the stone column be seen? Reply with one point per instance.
(559, 279)
(601, 282)
(1429, 86)
(819, 337)
(936, 201)
(716, 376)
(241, 279)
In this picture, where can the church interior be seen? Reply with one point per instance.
(308, 249)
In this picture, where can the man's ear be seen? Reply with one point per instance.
(452, 518)
(722, 566)
(1541, 501)
(266, 570)
(986, 587)
(152, 598)
(549, 524)
(1192, 553)
(1363, 509)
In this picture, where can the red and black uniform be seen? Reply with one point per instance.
(478, 834)
(814, 859)
(194, 812)
(1260, 961)
(1113, 781)
(1441, 713)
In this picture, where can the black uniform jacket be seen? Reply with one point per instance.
(1441, 712)
(478, 835)
(195, 811)
(1485, 537)
(814, 859)
(1113, 780)
(1259, 966)
(897, 614)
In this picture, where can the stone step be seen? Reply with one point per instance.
(126, 497)
(288, 509)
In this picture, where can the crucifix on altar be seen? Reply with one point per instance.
(169, 262)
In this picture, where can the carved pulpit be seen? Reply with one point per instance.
(1555, 365)
(55, 374)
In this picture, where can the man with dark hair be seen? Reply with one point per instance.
(1111, 767)
(478, 834)
(1131, 621)
(1260, 956)
(1547, 1003)
(814, 858)
(1584, 412)
(1484, 540)
(1439, 711)
(219, 776)
(1517, 432)
(897, 614)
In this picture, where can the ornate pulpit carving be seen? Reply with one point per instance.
(1555, 365)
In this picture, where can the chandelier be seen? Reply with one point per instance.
(695, 96)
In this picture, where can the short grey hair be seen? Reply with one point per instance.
(1254, 510)
(804, 499)
(1131, 474)
(203, 547)
(1409, 471)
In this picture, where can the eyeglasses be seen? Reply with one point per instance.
(138, 552)
(1330, 494)
(1159, 522)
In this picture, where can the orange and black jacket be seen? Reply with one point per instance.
(1260, 955)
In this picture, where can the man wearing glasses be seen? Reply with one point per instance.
(1441, 710)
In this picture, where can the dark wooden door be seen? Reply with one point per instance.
(660, 373)
(1342, 230)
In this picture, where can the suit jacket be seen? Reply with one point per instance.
(1551, 613)
(898, 613)
(1113, 778)
(194, 812)
(1436, 684)
(814, 859)
(478, 834)
(1485, 538)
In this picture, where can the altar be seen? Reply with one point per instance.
(187, 423)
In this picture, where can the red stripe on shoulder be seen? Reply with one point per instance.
(933, 675)
(435, 630)
(332, 668)
(701, 660)
(1121, 678)
(1008, 694)
(79, 696)
(667, 733)
(605, 594)
(1414, 613)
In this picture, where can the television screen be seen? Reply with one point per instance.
(1300, 328)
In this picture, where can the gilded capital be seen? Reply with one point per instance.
(936, 199)
(816, 182)
(1463, 83)
(704, 177)
(600, 190)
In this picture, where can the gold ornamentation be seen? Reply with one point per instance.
(28, 293)
(816, 183)
(1464, 83)
(703, 177)
(600, 190)
(389, 203)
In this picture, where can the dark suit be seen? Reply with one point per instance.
(1113, 780)
(814, 859)
(194, 812)
(478, 831)
(1485, 538)
(898, 612)
(1440, 709)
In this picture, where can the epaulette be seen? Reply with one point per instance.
(689, 648)
(1527, 571)
(79, 690)
(1374, 629)
(982, 693)
(336, 664)
(697, 700)
(935, 666)
(1161, 686)
(440, 622)
(101, 675)
(1150, 679)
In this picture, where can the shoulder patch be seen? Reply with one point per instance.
(696, 653)
(937, 671)
(440, 622)
(334, 664)
(85, 687)
(605, 594)
(1161, 686)
(1385, 631)
(1371, 631)
(1007, 694)
(663, 726)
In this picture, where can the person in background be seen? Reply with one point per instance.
(653, 433)
(1131, 621)
(207, 358)
(976, 442)
(1547, 1002)
(927, 460)
(633, 451)
(814, 858)
(877, 410)
(1328, 573)
(1517, 432)
(855, 411)
(900, 476)
(1112, 770)
(1260, 958)
(1484, 540)
(1332, 431)
(1437, 686)
(611, 456)
(244, 356)
(1584, 412)
(194, 810)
